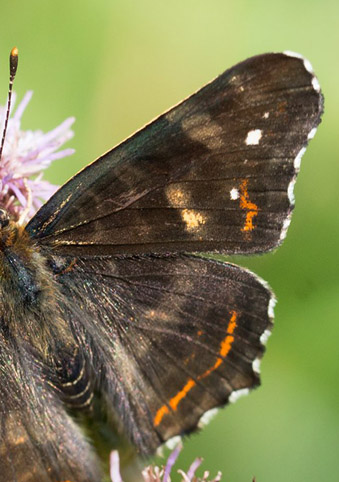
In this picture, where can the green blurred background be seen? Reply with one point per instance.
(115, 64)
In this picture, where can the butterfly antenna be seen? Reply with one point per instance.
(13, 65)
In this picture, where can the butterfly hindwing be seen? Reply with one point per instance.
(173, 336)
(215, 173)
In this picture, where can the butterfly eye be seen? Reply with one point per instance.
(4, 218)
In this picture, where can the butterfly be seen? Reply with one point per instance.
(109, 315)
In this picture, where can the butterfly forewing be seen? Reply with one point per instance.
(215, 173)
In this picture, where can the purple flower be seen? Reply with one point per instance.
(156, 474)
(25, 155)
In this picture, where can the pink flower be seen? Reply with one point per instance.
(156, 474)
(25, 155)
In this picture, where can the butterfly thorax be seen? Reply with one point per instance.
(22, 271)
(29, 296)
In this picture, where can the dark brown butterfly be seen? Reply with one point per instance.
(105, 318)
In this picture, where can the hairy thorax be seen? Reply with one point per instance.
(24, 280)
(30, 298)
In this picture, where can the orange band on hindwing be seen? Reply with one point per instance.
(225, 347)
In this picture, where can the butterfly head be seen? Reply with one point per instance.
(12, 234)
(8, 230)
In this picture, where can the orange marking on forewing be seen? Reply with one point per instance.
(245, 203)
(225, 347)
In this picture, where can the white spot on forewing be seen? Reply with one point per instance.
(297, 160)
(253, 137)
(266, 115)
(290, 191)
(207, 417)
(265, 336)
(234, 194)
(238, 394)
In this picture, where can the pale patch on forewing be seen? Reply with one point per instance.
(176, 196)
(253, 137)
(201, 128)
(193, 219)
(266, 115)
(234, 194)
